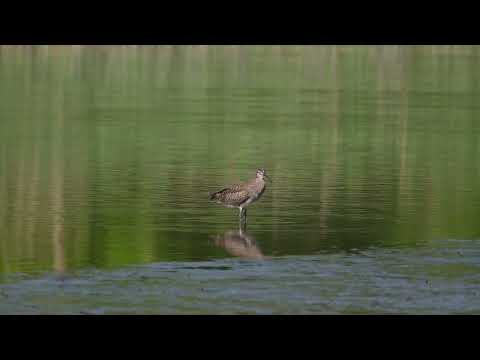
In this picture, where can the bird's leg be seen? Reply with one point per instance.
(243, 217)
(243, 227)
(241, 214)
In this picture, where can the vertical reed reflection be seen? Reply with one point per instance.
(329, 175)
(57, 188)
(4, 264)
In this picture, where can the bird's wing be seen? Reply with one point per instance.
(234, 195)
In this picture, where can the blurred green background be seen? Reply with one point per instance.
(107, 153)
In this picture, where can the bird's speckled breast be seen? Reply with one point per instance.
(256, 191)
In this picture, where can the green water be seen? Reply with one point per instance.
(107, 156)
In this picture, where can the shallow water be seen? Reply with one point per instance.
(377, 281)
(107, 155)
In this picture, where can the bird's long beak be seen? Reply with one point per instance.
(268, 178)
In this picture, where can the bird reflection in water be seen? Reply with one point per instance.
(239, 243)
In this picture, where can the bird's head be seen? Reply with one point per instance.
(261, 174)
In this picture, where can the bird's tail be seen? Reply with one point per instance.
(212, 196)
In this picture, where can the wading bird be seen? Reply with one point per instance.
(242, 195)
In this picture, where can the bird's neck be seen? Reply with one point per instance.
(257, 182)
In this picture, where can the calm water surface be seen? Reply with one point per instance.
(107, 155)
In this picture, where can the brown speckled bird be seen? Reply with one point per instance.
(242, 195)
